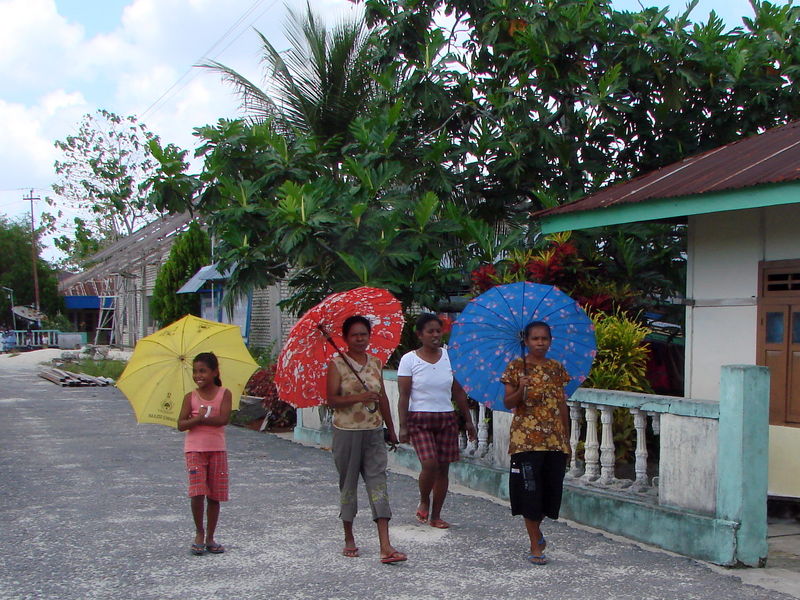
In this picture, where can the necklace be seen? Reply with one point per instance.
(357, 365)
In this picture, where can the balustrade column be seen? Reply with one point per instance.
(607, 449)
(656, 422)
(483, 431)
(591, 454)
(574, 438)
(640, 465)
(472, 445)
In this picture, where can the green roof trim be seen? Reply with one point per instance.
(669, 208)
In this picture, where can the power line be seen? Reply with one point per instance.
(182, 81)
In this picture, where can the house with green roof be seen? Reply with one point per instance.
(741, 204)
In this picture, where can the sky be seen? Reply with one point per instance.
(61, 59)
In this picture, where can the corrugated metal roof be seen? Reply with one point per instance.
(770, 157)
(130, 252)
(199, 279)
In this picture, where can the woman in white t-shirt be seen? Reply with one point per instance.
(427, 391)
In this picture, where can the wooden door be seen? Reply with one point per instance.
(779, 338)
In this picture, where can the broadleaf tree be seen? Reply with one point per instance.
(517, 106)
(190, 252)
(16, 273)
(101, 172)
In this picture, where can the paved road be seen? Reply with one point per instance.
(93, 506)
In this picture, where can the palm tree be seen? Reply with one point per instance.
(317, 86)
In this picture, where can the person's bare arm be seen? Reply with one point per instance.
(224, 416)
(514, 392)
(462, 402)
(563, 409)
(386, 413)
(404, 387)
(185, 421)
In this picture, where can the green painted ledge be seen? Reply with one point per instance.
(699, 536)
(687, 407)
(669, 208)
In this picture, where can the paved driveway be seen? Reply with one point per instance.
(93, 506)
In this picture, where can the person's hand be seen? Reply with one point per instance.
(370, 397)
(524, 381)
(472, 433)
(392, 437)
(403, 437)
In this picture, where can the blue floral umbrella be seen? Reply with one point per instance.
(488, 335)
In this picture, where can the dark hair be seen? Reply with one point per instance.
(210, 360)
(424, 319)
(350, 321)
(533, 324)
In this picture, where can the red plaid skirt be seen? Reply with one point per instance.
(208, 474)
(434, 436)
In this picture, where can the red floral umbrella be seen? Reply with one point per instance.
(303, 362)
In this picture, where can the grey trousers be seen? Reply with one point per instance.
(358, 452)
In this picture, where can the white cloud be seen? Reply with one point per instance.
(54, 73)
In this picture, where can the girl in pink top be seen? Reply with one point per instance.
(204, 414)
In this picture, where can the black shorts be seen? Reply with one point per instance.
(535, 483)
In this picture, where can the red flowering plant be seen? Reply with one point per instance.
(483, 278)
(262, 385)
(555, 263)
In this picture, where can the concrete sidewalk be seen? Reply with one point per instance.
(94, 506)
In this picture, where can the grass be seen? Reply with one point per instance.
(97, 368)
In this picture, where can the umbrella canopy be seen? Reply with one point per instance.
(488, 335)
(159, 374)
(301, 371)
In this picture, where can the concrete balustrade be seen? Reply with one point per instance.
(706, 498)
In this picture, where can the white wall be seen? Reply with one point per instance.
(724, 250)
(722, 279)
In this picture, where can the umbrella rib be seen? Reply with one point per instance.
(147, 365)
(205, 339)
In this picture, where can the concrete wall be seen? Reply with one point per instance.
(688, 479)
(722, 279)
(725, 465)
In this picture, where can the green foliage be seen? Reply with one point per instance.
(264, 356)
(102, 171)
(552, 100)
(622, 354)
(267, 197)
(98, 368)
(190, 252)
(620, 364)
(318, 85)
(515, 106)
(16, 273)
(59, 322)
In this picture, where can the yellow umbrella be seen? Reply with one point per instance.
(159, 374)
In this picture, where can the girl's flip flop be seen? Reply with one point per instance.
(393, 558)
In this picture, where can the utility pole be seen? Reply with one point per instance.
(34, 254)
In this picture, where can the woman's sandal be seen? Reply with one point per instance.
(537, 560)
(439, 524)
(198, 549)
(215, 548)
(422, 516)
(350, 552)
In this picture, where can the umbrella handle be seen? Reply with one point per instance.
(329, 339)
